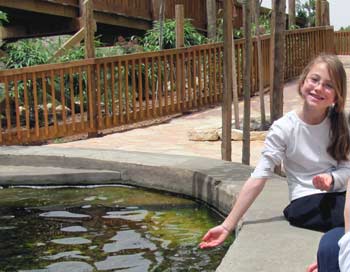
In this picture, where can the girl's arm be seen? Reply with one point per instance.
(347, 209)
(250, 190)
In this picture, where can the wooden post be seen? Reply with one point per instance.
(179, 32)
(277, 58)
(211, 19)
(246, 80)
(325, 13)
(291, 13)
(90, 28)
(227, 92)
(318, 19)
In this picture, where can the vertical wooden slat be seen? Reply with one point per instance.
(91, 105)
(8, 109)
(127, 91)
(36, 113)
(189, 79)
(147, 88)
(133, 84)
(105, 91)
(53, 101)
(160, 96)
(114, 112)
(200, 93)
(120, 92)
(215, 91)
(165, 84)
(178, 82)
(81, 99)
(63, 102)
(98, 94)
(172, 85)
(18, 122)
(183, 83)
(72, 104)
(153, 89)
(219, 73)
(194, 75)
(140, 90)
(205, 77)
(26, 105)
(210, 57)
(46, 120)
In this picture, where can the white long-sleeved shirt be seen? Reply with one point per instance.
(302, 148)
(344, 253)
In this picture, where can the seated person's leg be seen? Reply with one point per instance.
(328, 251)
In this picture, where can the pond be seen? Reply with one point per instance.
(114, 228)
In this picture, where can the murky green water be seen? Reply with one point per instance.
(120, 229)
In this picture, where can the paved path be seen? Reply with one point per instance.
(172, 137)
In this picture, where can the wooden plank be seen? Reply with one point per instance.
(53, 102)
(63, 101)
(189, 80)
(178, 82)
(133, 88)
(36, 106)
(98, 96)
(18, 124)
(165, 84)
(81, 100)
(46, 120)
(120, 93)
(205, 77)
(91, 102)
(172, 84)
(183, 83)
(114, 111)
(141, 110)
(147, 88)
(26, 104)
(105, 91)
(159, 81)
(72, 104)
(154, 114)
(127, 107)
(194, 81)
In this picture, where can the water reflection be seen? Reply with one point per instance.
(103, 229)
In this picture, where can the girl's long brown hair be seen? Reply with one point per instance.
(339, 146)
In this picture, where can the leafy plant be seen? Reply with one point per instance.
(150, 41)
(3, 17)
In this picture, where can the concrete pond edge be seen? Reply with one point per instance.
(213, 181)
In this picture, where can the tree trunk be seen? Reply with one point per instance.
(291, 13)
(260, 64)
(277, 58)
(161, 23)
(246, 80)
(227, 96)
(211, 19)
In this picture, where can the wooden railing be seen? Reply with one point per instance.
(342, 42)
(51, 101)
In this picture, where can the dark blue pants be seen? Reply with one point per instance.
(321, 212)
(328, 251)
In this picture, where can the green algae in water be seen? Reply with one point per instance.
(103, 229)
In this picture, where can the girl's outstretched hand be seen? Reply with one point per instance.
(323, 182)
(214, 237)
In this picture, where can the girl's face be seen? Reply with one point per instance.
(318, 90)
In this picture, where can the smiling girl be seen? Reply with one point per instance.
(313, 145)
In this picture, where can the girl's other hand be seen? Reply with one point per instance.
(323, 182)
(312, 267)
(214, 237)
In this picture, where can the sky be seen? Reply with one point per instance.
(339, 12)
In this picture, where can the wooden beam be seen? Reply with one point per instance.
(179, 17)
(227, 95)
(77, 38)
(37, 6)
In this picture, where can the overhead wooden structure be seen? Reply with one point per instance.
(36, 18)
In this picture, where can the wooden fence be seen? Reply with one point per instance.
(342, 42)
(50, 101)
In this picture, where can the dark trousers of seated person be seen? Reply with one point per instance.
(328, 251)
(320, 212)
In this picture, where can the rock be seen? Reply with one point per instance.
(204, 133)
(237, 135)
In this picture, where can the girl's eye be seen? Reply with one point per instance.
(329, 86)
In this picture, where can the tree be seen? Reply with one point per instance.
(246, 80)
(211, 19)
(307, 11)
(161, 23)
(256, 6)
